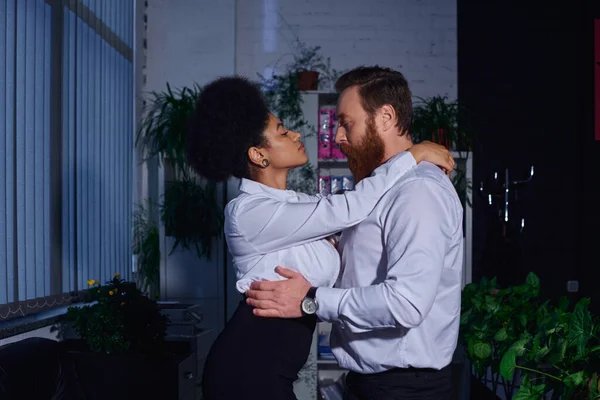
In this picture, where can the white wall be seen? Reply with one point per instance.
(416, 37)
(190, 41)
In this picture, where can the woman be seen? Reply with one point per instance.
(232, 133)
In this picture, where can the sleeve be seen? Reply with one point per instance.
(269, 225)
(419, 229)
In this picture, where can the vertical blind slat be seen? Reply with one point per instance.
(47, 144)
(78, 166)
(21, 132)
(93, 172)
(3, 134)
(29, 152)
(83, 168)
(112, 159)
(11, 20)
(98, 155)
(38, 220)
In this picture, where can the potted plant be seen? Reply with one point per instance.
(437, 119)
(146, 248)
(308, 63)
(532, 349)
(189, 210)
(122, 347)
(491, 319)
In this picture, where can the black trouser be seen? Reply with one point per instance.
(400, 384)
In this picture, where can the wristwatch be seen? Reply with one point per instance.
(309, 305)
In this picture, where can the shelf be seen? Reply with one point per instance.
(326, 361)
(342, 163)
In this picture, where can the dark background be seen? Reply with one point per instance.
(525, 70)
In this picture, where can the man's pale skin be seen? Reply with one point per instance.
(282, 299)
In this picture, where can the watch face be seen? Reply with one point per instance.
(309, 306)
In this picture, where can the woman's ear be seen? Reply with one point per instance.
(256, 156)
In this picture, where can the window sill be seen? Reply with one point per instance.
(32, 322)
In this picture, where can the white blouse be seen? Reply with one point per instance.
(267, 227)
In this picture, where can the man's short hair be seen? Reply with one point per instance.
(377, 87)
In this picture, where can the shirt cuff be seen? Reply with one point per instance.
(329, 300)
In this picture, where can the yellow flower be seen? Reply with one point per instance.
(117, 276)
(111, 292)
(116, 290)
(91, 282)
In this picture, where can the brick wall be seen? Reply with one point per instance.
(417, 37)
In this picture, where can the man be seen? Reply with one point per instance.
(395, 309)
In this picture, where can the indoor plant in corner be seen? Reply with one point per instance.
(189, 210)
(122, 352)
(445, 122)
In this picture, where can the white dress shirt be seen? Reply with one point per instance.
(267, 227)
(397, 302)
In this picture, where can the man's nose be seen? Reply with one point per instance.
(340, 136)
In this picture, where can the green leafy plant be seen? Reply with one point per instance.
(117, 317)
(490, 323)
(146, 247)
(561, 355)
(438, 119)
(308, 58)
(445, 122)
(285, 99)
(190, 209)
(532, 348)
(192, 215)
(162, 130)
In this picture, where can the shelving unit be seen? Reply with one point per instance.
(313, 101)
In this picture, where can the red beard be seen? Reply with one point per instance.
(364, 158)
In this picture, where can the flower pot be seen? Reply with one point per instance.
(440, 137)
(168, 375)
(308, 80)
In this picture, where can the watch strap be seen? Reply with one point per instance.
(312, 293)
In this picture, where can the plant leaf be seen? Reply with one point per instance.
(508, 364)
(574, 380)
(501, 335)
(529, 392)
(482, 350)
(580, 328)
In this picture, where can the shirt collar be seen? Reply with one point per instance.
(252, 187)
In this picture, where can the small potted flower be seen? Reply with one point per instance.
(122, 347)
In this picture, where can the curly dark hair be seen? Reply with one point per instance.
(378, 86)
(230, 117)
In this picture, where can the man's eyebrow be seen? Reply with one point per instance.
(341, 116)
(280, 125)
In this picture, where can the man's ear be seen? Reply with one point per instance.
(387, 116)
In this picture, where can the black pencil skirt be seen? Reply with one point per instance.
(257, 358)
